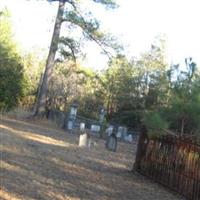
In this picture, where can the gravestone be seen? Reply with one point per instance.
(95, 128)
(124, 133)
(119, 132)
(111, 143)
(82, 126)
(83, 140)
(128, 138)
(109, 130)
(70, 125)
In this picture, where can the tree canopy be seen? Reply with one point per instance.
(77, 20)
(144, 89)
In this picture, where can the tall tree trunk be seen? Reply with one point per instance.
(41, 102)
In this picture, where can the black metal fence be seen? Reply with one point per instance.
(173, 161)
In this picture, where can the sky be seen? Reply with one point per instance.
(136, 23)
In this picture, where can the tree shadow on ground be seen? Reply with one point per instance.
(32, 168)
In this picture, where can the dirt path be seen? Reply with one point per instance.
(43, 163)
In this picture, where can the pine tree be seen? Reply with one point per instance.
(69, 11)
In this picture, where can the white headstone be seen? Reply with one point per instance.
(73, 111)
(83, 140)
(119, 132)
(95, 128)
(111, 143)
(124, 133)
(128, 138)
(70, 125)
(109, 130)
(82, 126)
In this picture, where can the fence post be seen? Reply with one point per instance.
(141, 147)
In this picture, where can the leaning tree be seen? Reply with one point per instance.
(71, 13)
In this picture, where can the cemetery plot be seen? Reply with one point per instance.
(40, 162)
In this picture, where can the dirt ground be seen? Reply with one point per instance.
(41, 162)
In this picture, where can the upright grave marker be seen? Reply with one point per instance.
(72, 117)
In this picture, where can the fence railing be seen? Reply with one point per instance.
(173, 161)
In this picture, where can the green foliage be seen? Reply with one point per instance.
(130, 87)
(11, 70)
(145, 88)
(89, 106)
(80, 26)
(33, 66)
(184, 105)
(147, 84)
(154, 122)
(132, 91)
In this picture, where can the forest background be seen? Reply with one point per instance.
(133, 90)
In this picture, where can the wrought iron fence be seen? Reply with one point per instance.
(173, 161)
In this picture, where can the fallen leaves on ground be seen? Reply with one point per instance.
(40, 162)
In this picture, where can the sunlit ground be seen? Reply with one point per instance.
(39, 162)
